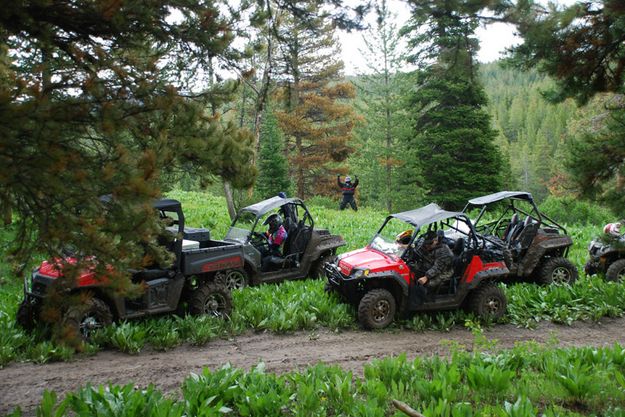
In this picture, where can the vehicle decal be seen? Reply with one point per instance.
(221, 264)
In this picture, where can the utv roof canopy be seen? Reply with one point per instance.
(167, 204)
(265, 206)
(425, 215)
(502, 195)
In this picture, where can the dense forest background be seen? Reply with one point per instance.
(533, 134)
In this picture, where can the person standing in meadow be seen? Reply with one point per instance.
(348, 188)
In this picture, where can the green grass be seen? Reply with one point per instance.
(303, 305)
(528, 380)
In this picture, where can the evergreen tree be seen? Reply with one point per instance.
(453, 134)
(597, 153)
(317, 118)
(381, 158)
(95, 98)
(583, 47)
(273, 166)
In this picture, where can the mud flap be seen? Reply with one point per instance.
(416, 296)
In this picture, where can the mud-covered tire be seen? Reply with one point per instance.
(616, 271)
(26, 316)
(377, 309)
(488, 301)
(557, 271)
(317, 270)
(212, 299)
(232, 279)
(83, 320)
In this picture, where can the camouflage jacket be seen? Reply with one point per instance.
(442, 266)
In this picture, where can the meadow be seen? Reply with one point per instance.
(520, 382)
(303, 305)
(526, 381)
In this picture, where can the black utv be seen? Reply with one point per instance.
(607, 257)
(536, 245)
(304, 251)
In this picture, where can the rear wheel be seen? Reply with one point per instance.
(557, 271)
(488, 301)
(376, 309)
(212, 299)
(84, 320)
(233, 279)
(616, 271)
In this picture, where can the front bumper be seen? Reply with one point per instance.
(37, 288)
(349, 289)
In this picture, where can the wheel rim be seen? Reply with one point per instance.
(620, 275)
(89, 324)
(492, 305)
(561, 275)
(215, 305)
(381, 311)
(235, 280)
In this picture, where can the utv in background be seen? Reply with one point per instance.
(380, 279)
(538, 246)
(187, 284)
(607, 257)
(304, 251)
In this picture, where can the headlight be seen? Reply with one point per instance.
(360, 273)
(594, 246)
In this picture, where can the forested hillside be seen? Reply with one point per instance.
(532, 131)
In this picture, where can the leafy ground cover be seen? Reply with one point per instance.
(528, 380)
(303, 305)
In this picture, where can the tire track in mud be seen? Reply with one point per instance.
(22, 384)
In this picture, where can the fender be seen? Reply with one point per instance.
(493, 274)
(393, 276)
(537, 252)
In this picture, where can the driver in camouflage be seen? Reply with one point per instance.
(440, 265)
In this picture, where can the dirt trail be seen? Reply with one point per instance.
(23, 384)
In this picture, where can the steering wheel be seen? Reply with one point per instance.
(259, 241)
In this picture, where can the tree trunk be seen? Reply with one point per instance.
(229, 199)
(7, 213)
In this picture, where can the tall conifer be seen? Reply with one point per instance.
(316, 117)
(453, 133)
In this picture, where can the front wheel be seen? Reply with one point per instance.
(488, 301)
(376, 309)
(26, 316)
(212, 299)
(85, 319)
(557, 271)
(616, 271)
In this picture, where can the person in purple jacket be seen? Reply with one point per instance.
(276, 235)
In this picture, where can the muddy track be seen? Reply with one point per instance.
(23, 384)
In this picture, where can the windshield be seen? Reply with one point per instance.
(242, 227)
(393, 239)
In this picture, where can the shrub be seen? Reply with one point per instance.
(574, 211)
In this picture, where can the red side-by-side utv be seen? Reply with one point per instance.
(380, 280)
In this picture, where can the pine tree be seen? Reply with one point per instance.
(380, 159)
(317, 118)
(273, 166)
(95, 99)
(453, 134)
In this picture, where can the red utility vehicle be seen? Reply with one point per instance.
(380, 279)
(187, 284)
